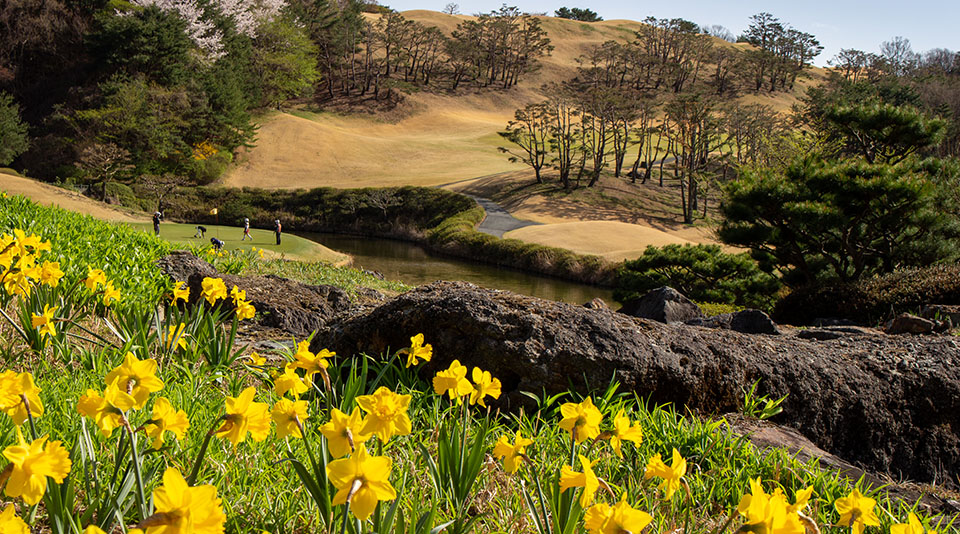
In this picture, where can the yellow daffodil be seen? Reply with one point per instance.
(602, 518)
(138, 377)
(106, 411)
(95, 278)
(310, 362)
(386, 414)
(260, 253)
(362, 480)
(244, 415)
(33, 241)
(13, 388)
(10, 523)
(912, 526)
(586, 480)
(484, 385)
(453, 381)
(671, 475)
(856, 512)
(622, 431)
(44, 322)
(213, 289)
(770, 514)
(238, 295)
(417, 351)
(110, 294)
(50, 273)
(581, 420)
(32, 464)
(289, 381)
(343, 432)
(256, 359)
(511, 454)
(165, 418)
(289, 415)
(245, 310)
(17, 283)
(176, 332)
(93, 529)
(181, 509)
(180, 292)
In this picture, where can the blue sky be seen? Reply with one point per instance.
(837, 24)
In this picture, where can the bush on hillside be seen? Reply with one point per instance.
(873, 300)
(701, 272)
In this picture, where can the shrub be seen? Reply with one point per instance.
(701, 272)
(874, 300)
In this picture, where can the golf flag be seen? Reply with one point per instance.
(213, 211)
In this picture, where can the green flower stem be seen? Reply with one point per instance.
(33, 425)
(135, 460)
(203, 452)
(346, 518)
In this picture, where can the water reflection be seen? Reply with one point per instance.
(410, 263)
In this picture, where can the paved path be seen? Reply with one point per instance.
(498, 220)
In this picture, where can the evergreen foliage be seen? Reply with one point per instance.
(701, 272)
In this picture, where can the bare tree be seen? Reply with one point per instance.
(899, 56)
(452, 8)
(103, 163)
(163, 186)
(529, 130)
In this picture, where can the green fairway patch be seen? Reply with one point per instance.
(291, 246)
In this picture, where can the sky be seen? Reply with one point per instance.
(837, 24)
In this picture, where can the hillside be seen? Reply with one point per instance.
(431, 139)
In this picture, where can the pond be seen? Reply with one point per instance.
(412, 264)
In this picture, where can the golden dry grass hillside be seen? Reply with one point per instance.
(432, 139)
(450, 140)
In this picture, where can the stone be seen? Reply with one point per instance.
(942, 312)
(663, 304)
(744, 321)
(889, 403)
(596, 304)
(906, 323)
(827, 333)
(291, 306)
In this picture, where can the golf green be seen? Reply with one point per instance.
(291, 247)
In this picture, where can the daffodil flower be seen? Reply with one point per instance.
(768, 513)
(10, 523)
(180, 292)
(581, 420)
(484, 385)
(856, 512)
(138, 377)
(33, 463)
(106, 411)
(386, 414)
(453, 381)
(14, 387)
(243, 416)
(912, 526)
(417, 351)
(110, 294)
(95, 278)
(165, 418)
(289, 381)
(602, 518)
(361, 480)
(289, 415)
(182, 509)
(343, 432)
(586, 480)
(511, 454)
(622, 431)
(44, 322)
(213, 289)
(671, 475)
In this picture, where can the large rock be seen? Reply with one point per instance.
(664, 304)
(296, 308)
(743, 321)
(890, 403)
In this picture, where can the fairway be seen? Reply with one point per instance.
(291, 247)
(612, 240)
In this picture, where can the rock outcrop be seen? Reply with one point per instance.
(296, 308)
(664, 304)
(891, 403)
(744, 321)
